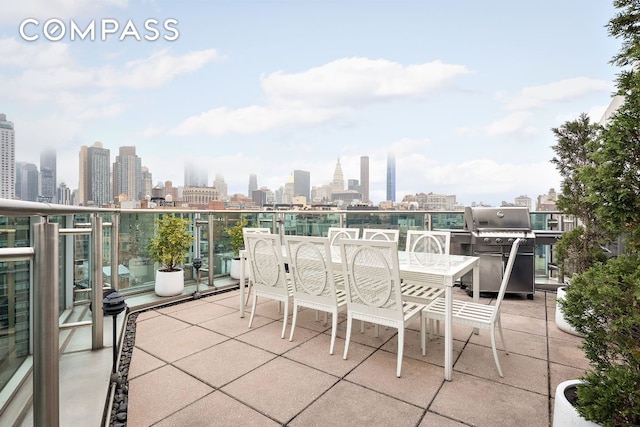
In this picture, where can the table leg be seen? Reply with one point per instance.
(242, 282)
(448, 333)
(476, 290)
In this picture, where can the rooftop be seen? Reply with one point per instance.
(196, 362)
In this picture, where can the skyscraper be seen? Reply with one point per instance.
(48, 176)
(195, 175)
(221, 186)
(7, 159)
(364, 178)
(26, 182)
(253, 184)
(127, 174)
(93, 185)
(302, 184)
(337, 185)
(391, 177)
(147, 181)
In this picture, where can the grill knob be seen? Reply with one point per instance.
(498, 240)
(511, 239)
(486, 240)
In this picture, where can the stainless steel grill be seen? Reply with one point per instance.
(492, 232)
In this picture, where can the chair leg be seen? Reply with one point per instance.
(253, 308)
(423, 333)
(504, 343)
(400, 349)
(249, 287)
(495, 351)
(286, 316)
(348, 336)
(294, 317)
(334, 328)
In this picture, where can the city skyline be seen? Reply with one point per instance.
(464, 94)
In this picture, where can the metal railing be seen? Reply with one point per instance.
(129, 228)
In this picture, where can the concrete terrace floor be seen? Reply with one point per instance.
(196, 363)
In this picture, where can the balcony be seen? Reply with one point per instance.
(196, 360)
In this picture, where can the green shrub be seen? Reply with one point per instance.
(171, 242)
(236, 236)
(603, 304)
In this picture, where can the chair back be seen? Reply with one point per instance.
(372, 278)
(266, 263)
(337, 233)
(427, 241)
(380, 234)
(507, 274)
(311, 268)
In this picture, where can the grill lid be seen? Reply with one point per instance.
(497, 221)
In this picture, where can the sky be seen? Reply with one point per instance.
(463, 93)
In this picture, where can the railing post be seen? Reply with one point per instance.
(46, 360)
(212, 246)
(97, 341)
(115, 241)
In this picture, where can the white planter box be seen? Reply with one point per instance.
(560, 320)
(169, 283)
(234, 271)
(564, 414)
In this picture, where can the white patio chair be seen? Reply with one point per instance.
(312, 276)
(380, 234)
(372, 283)
(267, 271)
(423, 291)
(438, 242)
(245, 231)
(336, 233)
(477, 315)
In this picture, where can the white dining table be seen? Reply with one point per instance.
(418, 267)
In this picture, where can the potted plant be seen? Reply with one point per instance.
(236, 241)
(603, 302)
(580, 248)
(169, 246)
(603, 305)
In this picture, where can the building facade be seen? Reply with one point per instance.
(7, 159)
(337, 185)
(127, 175)
(26, 182)
(253, 184)
(94, 178)
(391, 177)
(364, 179)
(48, 176)
(302, 184)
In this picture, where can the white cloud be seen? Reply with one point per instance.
(250, 120)
(560, 91)
(514, 124)
(322, 94)
(156, 70)
(358, 81)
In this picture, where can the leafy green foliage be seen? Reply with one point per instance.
(236, 236)
(581, 247)
(603, 304)
(171, 242)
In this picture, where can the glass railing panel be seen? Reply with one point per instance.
(15, 307)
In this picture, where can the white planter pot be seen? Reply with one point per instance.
(169, 283)
(234, 272)
(560, 320)
(564, 414)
